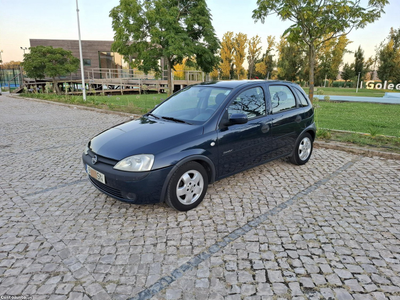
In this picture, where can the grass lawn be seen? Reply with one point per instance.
(372, 118)
(350, 92)
(133, 103)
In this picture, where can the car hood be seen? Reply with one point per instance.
(143, 136)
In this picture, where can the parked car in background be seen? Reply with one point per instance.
(199, 135)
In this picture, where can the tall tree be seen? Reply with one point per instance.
(239, 54)
(290, 60)
(268, 57)
(337, 56)
(330, 57)
(389, 57)
(169, 29)
(254, 50)
(348, 72)
(316, 18)
(359, 68)
(227, 55)
(52, 62)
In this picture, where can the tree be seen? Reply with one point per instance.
(348, 72)
(329, 58)
(338, 52)
(265, 66)
(254, 50)
(52, 62)
(261, 69)
(10, 64)
(239, 54)
(181, 68)
(227, 55)
(389, 57)
(314, 19)
(268, 58)
(168, 29)
(290, 60)
(361, 66)
(359, 62)
(214, 74)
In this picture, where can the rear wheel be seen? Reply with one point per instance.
(187, 187)
(303, 150)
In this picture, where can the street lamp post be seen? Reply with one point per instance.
(80, 55)
(21, 70)
(358, 80)
(24, 49)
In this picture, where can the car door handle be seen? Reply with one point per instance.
(298, 119)
(265, 127)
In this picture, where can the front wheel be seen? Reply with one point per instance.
(187, 187)
(303, 150)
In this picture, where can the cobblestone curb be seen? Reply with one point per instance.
(365, 151)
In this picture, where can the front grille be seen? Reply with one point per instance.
(106, 189)
(102, 159)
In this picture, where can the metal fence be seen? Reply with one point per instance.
(10, 77)
(134, 74)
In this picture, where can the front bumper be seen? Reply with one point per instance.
(131, 187)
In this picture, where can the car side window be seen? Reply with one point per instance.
(282, 98)
(302, 99)
(250, 102)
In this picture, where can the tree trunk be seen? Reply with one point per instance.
(56, 88)
(311, 75)
(169, 71)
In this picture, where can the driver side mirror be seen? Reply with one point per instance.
(238, 119)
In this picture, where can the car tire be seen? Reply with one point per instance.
(187, 187)
(302, 151)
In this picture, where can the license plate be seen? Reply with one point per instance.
(96, 174)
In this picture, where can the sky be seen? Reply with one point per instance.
(21, 20)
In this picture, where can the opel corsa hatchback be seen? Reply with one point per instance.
(199, 135)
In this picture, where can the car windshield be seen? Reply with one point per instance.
(193, 105)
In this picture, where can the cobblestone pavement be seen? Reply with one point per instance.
(326, 230)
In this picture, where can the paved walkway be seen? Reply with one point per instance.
(326, 230)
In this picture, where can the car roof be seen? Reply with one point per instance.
(237, 83)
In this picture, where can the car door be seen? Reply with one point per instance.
(241, 146)
(286, 119)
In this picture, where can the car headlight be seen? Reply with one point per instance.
(86, 150)
(136, 163)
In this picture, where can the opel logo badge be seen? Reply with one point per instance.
(94, 159)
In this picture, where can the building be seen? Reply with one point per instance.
(104, 69)
(97, 57)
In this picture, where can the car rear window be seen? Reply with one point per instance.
(302, 99)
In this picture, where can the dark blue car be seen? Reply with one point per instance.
(199, 135)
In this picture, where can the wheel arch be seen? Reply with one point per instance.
(207, 164)
(312, 133)
(311, 130)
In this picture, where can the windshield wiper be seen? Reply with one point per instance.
(150, 114)
(175, 120)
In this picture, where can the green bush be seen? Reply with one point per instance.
(342, 84)
(324, 134)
